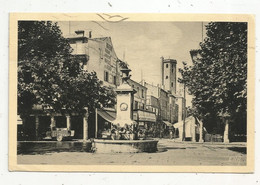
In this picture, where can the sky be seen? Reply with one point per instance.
(142, 44)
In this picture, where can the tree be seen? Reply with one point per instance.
(218, 77)
(50, 76)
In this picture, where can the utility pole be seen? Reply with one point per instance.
(184, 111)
(202, 32)
(69, 28)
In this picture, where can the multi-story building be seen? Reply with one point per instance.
(152, 104)
(140, 95)
(180, 103)
(173, 109)
(164, 104)
(159, 100)
(97, 54)
(142, 115)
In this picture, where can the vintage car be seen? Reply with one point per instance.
(59, 134)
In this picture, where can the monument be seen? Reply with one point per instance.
(124, 130)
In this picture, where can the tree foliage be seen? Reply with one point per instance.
(218, 77)
(48, 75)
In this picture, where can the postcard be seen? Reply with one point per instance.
(110, 92)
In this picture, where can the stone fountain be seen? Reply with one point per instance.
(124, 137)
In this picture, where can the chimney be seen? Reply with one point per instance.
(80, 32)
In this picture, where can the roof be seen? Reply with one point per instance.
(74, 36)
(136, 83)
(100, 38)
(170, 61)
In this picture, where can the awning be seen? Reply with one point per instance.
(107, 115)
(143, 115)
(187, 121)
(178, 124)
(167, 123)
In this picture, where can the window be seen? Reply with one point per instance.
(142, 93)
(140, 106)
(136, 105)
(166, 65)
(172, 70)
(166, 77)
(114, 80)
(106, 76)
(100, 53)
(172, 84)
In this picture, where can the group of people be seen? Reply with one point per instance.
(120, 133)
(130, 132)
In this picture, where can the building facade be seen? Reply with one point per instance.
(139, 96)
(97, 54)
(152, 104)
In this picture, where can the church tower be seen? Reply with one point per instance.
(169, 75)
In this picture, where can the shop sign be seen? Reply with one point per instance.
(146, 116)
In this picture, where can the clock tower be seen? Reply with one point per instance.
(125, 98)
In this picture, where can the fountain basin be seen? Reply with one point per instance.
(42, 147)
(125, 146)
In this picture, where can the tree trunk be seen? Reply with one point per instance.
(68, 122)
(85, 125)
(226, 139)
(37, 127)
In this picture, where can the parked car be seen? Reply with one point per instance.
(59, 134)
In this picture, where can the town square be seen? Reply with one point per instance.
(117, 92)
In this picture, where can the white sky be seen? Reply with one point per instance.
(142, 44)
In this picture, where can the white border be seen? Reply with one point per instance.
(178, 6)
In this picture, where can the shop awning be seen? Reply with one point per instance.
(178, 124)
(167, 123)
(107, 115)
(187, 121)
(145, 116)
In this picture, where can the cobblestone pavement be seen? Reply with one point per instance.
(169, 153)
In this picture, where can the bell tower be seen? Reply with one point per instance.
(169, 74)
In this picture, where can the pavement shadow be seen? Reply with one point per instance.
(161, 149)
(238, 149)
(165, 148)
(41, 148)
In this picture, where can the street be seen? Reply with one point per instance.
(169, 153)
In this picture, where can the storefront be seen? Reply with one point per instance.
(146, 121)
(104, 117)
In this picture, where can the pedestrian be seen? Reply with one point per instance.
(170, 134)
